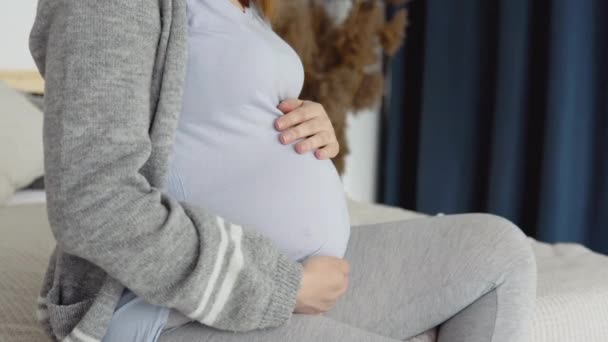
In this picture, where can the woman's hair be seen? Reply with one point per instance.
(267, 6)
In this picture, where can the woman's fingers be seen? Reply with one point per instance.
(324, 141)
(318, 140)
(289, 105)
(305, 112)
(329, 151)
(303, 130)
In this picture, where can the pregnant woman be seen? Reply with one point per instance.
(191, 197)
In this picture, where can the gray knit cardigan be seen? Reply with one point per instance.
(114, 71)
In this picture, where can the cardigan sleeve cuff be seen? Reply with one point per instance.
(288, 278)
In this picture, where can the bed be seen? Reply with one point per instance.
(572, 289)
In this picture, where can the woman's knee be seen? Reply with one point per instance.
(506, 239)
(512, 256)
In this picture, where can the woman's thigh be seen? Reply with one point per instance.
(299, 328)
(409, 276)
(405, 277)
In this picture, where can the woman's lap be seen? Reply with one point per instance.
(405, 277)
(300, 328)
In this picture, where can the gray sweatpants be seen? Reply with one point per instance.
(472, 274)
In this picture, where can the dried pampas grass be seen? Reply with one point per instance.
(341, 53)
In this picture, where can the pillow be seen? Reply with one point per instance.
(21, 151)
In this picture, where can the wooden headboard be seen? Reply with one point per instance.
(25, 80)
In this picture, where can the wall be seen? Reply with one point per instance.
(362, 132)
(15, 23)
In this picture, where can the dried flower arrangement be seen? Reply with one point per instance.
(341, 44)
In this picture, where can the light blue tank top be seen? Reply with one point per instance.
(227, 157)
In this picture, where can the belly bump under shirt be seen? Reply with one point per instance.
(227, 157)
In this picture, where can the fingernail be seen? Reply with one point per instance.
(279, 124)
(285, 137)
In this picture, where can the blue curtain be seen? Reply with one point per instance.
(502, 106)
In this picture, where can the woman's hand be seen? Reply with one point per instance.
(325, 279)
(307, 119)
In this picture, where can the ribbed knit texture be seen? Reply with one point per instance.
(114, 72)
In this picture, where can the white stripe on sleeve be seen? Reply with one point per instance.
(234, 268)
(217, 267)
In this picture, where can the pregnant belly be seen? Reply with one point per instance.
(295, 200)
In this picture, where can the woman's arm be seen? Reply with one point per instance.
(97, 58)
